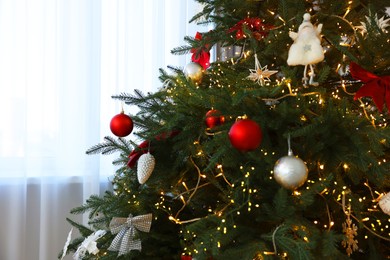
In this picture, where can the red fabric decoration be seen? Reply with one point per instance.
(201, 55)
(136, 154)
(375, 86)
(142, 148)
(258, 28)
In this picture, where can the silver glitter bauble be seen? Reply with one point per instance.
(194, 71)
(290, 172)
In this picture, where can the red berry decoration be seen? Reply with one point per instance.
(214, 118)
(245, 135)
(121, 125)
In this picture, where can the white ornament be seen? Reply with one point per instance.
(381, 23)
(89, 245)
(194, 72)
(290, 171)
(67, 243)
(384, 203)
(306, 49)
(260, 74)
(145, 167)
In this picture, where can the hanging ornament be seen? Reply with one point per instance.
(375, 86)
(373, 23)
(245, 135)
(194, 71)
(185, 257)
(214, 118)
(68, 239)
(201, 55)
(260, 74)
(384, 203)
(290, 171)
(145, 167)
(89, 245)
(350, 243)
(121, 125)
(306, 49)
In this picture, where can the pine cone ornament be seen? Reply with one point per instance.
(145, 167)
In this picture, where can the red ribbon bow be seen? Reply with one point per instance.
(375, 86)
(136, 154)
(201, 55)
(258, 28)
(143, 148)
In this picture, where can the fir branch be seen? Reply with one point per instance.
(323, 74)
(334, 40)
(84, 231)
(181, 50)
(283, 206)
(92, 202)
(110, 145)
(120, 161)
(205, 13)
(125, 97)
(73, 245)
(175, 69)
(295, 247)
(329, 244)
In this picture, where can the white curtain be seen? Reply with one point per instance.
(60, 62)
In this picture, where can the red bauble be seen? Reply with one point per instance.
(121, 125)
(214, 118)
(186, 257)
(245, 135)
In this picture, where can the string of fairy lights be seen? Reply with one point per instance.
(373, 225)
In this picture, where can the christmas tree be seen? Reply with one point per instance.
(278, 149)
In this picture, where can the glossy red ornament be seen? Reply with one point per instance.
(186, 257)
(245, 135)
(214, 118)
(121, 125)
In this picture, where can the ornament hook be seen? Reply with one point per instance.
(290, 152)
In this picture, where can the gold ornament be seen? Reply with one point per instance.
(194, 71)
(350, 231)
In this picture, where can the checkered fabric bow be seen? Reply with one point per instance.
(126, 230)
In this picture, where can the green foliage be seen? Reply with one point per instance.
(210, 200)
(111, 145)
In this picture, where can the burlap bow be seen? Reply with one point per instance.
(126, 229)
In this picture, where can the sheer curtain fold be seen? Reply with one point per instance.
(61, 61)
